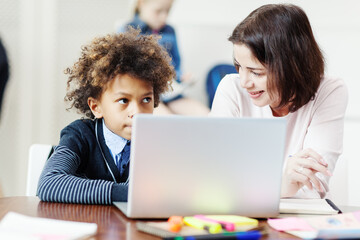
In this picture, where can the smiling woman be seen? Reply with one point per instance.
(281, 74)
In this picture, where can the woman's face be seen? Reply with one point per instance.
(253, 76)
(154, 12)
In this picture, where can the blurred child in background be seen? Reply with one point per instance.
(150, 16)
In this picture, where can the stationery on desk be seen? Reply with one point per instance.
(238, 227)
(206, 227)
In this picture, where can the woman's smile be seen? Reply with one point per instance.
(256, 94)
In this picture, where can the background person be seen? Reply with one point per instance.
(151, 16)
(4, 72)
(281, 75)
(4, 77)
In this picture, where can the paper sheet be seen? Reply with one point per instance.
(345, 225)
(17, 226)
(294, 223)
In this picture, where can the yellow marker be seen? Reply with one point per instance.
(211, 227)
(237, 220)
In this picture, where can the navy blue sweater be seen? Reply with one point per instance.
(81, 169)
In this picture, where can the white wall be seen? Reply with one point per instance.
(43, 37)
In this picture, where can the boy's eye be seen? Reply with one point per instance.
(147, 100)
(123, 101)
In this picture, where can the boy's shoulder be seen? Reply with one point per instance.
(81, 127)
(79, 135)
(83, 123)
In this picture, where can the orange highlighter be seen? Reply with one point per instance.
(175, 223)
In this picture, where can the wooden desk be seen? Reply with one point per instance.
(112, 224)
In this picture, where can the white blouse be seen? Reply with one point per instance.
(318, 125)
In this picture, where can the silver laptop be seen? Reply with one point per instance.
(200, 165)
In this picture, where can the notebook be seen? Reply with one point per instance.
(308, 206)
(200, 165)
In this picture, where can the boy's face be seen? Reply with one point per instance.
(124, 96)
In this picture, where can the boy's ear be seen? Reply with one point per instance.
(95, 107)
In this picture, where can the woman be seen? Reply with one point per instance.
(281, 75)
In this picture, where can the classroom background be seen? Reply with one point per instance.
(43, 37)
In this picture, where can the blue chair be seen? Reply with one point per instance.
(214, 77)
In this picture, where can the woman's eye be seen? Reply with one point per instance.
(147, 100)
(123, 101)
(256, 74)
(237, 67)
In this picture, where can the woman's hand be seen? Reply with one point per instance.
(300, 170)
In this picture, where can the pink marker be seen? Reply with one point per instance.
(228, 226)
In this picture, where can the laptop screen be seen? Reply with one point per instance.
(200, 165)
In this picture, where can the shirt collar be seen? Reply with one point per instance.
(114, 142)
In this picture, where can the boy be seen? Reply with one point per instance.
(116, 77)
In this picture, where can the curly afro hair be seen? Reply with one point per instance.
(139, 56)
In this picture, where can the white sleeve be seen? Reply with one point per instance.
(326, 129)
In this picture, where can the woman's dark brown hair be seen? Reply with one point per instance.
(281, 38)
(104, 58)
